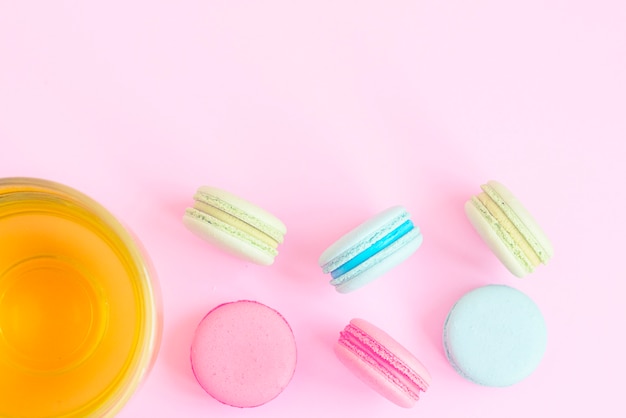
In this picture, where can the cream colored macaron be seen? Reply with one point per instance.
(235, 225)
(508, 229)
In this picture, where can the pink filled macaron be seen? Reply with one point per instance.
(382, 363)
(243, 353)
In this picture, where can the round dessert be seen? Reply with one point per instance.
(371, 249)
(235, 225)
(243, 353)
(495, 335)
(382, 363)
(508, 229)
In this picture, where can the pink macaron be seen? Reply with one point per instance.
(382, 363)
(243, 353)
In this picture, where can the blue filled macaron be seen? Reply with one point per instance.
(371, 249)
(495, 335)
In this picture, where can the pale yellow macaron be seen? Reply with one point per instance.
(508, 229)
(235, 225)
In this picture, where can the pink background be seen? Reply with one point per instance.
(324, 113)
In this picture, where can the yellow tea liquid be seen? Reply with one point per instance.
(70, 309)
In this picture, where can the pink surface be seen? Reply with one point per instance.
(325, 113)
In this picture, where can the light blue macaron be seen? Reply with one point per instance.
(371, 249)
(495, 335)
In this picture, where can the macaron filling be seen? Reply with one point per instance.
(239, 234)
(228, 208)
(533, 245)
(513, 240)
(235, 222)
(380, 358)
(378, 246)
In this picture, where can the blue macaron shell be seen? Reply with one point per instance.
(495, 335)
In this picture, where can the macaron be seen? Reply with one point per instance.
(243, 353)
(508, 229)
(371, 249)
(382, 363)
(235, 225)
(495, 335)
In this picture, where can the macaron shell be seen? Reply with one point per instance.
(248, 208)
(243, 353)
(495, 335)
(228, 242)
(354, 237)
(528, 220)
(494, 242)
(381, 263)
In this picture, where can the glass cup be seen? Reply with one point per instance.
(80, 309)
